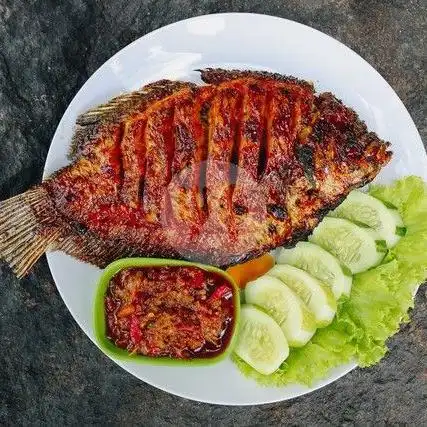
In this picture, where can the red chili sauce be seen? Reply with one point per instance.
(180, 312)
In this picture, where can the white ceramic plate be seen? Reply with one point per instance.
(231, 41)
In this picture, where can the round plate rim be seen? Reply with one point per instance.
(330, 379)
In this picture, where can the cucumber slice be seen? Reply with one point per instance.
(260, 342)
(354, 247)
(365, 210)
(320, 264)
(284, 306)
(316, 296)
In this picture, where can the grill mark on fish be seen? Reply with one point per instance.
(278, 147)
(143, 163)
(278, 212)
(224, 109)
(171, 147)
(134, 162)
(108, 156)
(201, 107)
(203, 112)
(263, 151)
(285, 121)
(235, 152)
(182, 133)
(158, 133)
(118, 150)
(184, 187)
(172, 169)
(305, 156)
(253, 128)
(210, 178)
(251, 135)
(280, 169)
(184, 150)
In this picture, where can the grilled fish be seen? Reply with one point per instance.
(217, 173)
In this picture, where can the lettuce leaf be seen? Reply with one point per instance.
(378, 304)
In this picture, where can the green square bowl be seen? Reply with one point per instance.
(100, 326)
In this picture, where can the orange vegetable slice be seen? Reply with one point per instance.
(127, 310)
(251, 270)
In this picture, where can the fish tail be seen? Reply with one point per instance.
(26, 229)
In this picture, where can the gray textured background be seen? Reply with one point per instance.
(50, 373)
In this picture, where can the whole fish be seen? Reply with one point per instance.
(217, 173)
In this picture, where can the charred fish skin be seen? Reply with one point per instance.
(218, 173)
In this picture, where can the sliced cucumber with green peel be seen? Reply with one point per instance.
(284, 306)
(320, 264)
(354, 247)
(365, 210)
(317, 297)
(260, 342)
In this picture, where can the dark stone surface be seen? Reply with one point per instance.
(50, 373)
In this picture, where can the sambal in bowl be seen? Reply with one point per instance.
(166, 311)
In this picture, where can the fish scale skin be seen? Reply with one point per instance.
(158, 180)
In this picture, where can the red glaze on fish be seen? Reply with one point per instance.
(219, 173)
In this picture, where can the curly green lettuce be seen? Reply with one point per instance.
(378, 304)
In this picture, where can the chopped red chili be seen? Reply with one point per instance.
(180, 312)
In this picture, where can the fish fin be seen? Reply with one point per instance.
(89, 247)
(92, 249)
(31, 226)
(91, 124)
(217, 76)
(27, 229)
